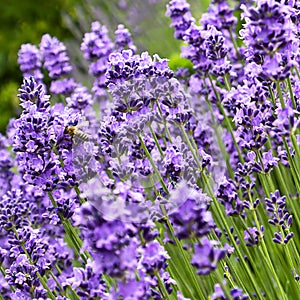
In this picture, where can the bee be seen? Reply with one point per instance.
(73, 130)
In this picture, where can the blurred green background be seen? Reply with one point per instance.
(26, 21)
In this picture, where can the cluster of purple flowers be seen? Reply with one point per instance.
(158, 184)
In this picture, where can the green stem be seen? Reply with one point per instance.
(194, 151)
(161, 286)
(164, 122)
(78, 194)
(280, 94)
(226, 119)
(185, 258)
(296, 148)
(56, 281)
(295, 251)
(70, 231)
(297, 72)
(287, 194)
(157, 173)
(291, 92)
(227, 84)
(236, 247)
(156, 141)
(44, 284)
(220, 141)
(229, 127)
(235, 45)
(272, 96)
(266, 255)
(295, 174)
(283, 295)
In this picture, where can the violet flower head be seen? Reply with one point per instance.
(29, 59)
(96, 44)
(87, 283)
(279, 216)
(252, 236)
(253, 121)
(127, 66)
(132, 289)
(34, 137)
(22, 275)
(266, 164)
(154, 257)
(195, 52)
(36, 114)
(191, 218)
(57, 63)
(96, 47)
(54, 56)
(32, 93)
(15, 210)
(214, 44)
(80, 99)
(123, 39)
(236, 293)
(207, 256)
(218, 293)
(8, 179)
(111, 241)
(220, 15)
(174, 163)
(287, 120)
(228, 195)
(179, 12)
(216, 50)
(269, 35)
(206, 50)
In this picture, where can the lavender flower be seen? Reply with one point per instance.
(191, 218)
(252, 236)
(96, 47)
(276, 207)
(15, 210)
(236, 293)
(29, 59)
(153, 257)
(35, 137)
(57, 63)
(220, 15)
(179, 12)
(269, 35)
(206, 256)
(123, 39)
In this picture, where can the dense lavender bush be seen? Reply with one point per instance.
(155, 184)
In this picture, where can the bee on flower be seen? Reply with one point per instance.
(73, 129)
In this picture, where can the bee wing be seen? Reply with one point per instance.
(83, 124)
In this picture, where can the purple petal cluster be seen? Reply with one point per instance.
(96, 47)
(270, 38)
(29, 59)
(252, 236)
(57, 63)
(191, 219)
(123, 39)
(207, 256)
(276, 207)
(179, 12)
